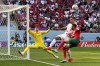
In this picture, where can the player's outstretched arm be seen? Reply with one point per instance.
(63, 28)
(45, 32)
(30, 31)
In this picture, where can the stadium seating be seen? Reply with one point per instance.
(55, 13)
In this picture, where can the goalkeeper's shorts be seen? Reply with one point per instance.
(73, 42)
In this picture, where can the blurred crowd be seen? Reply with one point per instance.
(56, 13)
(3, 19)
(18, 18)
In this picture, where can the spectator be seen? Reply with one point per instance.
(56, 12)
(93, 30)
(97, 39)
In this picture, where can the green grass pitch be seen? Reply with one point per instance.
(81, 57)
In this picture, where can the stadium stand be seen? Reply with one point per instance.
(55, 13)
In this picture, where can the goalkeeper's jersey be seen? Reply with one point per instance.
(38, 36)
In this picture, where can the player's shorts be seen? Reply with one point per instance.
(73, 42)
(64, 37)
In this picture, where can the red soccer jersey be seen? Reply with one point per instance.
(76, 33)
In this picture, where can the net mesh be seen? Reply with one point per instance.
(8, 8)
(18, 31)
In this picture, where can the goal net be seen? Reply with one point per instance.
(14, 23)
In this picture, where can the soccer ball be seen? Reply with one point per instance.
(75, 7)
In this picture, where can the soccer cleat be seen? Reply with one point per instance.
(56, 56)
(55, 50)
(48, 48)
(70, 59)
(63, 61)
(20, 53)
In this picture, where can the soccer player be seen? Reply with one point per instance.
(65, 35)
(73, 42)
(37, 35)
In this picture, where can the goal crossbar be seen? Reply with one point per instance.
(9, 8)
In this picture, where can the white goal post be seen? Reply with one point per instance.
(8, 9)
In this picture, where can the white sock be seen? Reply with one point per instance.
(69, 53)
(52, 43)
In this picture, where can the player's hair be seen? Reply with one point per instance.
(72, 17)
(36, 24)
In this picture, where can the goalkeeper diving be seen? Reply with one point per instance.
(38, 41)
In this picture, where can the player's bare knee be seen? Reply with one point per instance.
(66, 45)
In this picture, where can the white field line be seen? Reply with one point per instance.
(44, 62)
(30, 60)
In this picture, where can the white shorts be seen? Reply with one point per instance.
(64, 37)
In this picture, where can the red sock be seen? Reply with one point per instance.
(48, 48)
(64, 52)
(60, 45)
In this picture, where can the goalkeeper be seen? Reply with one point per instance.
(38, 41)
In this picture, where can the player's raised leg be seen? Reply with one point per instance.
(27, 48)
(59, 46)
(49, 51)
(53, 42)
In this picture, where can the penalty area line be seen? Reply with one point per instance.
(44, 62)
